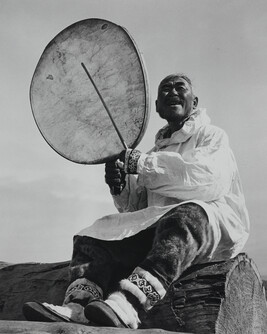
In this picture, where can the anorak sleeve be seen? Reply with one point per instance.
(132, 198)
(203, 172)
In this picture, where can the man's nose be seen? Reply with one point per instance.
(173, 91)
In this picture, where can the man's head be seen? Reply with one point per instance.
(176, 100)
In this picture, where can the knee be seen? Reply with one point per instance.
(186, 221)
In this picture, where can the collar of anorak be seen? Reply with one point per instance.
(197, 119)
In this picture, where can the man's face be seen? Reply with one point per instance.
(175, 99)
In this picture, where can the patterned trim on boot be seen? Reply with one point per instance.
(145, 287)
(82, 291)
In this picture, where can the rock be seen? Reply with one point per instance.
(26, 327)
(223, 297)
(20, 283)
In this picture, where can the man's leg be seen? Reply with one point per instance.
(98, 265)
(95, 269)
(183, 237)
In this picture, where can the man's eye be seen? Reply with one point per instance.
(181, 88)
(165, 89)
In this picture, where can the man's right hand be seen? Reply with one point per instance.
(114, 177)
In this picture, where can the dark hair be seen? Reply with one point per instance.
(178, 75)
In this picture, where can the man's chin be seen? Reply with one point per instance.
(176, 114)
(173, 113)
(174, 118)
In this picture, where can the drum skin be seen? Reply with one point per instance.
(65, 105)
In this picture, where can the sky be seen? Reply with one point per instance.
(221, 45)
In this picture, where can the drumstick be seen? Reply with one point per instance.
(104, 104)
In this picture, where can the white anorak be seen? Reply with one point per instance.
(195, 165)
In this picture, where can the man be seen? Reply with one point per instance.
(180, 204)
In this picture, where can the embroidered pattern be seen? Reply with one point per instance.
(84, 287)
(131, 160)
(145, 287)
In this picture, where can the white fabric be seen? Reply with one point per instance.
(124, 309)
(126, 285)
(196, 165)
(72, 311)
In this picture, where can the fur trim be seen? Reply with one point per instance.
(120, 305)
(125, 284)
(151, 280)
(73, 311)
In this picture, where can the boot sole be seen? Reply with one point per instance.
(35, 311)
(102, 314)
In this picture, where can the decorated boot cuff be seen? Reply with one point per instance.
(144, 287)
(82, 291)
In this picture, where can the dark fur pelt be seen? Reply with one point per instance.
(182, 237)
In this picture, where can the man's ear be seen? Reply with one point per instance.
(195, 102)
(156, 104)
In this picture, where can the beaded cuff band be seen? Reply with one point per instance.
(131, 160)
(82, 289)
(151, 294)
(86, 288)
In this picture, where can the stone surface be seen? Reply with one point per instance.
(20, 283)
(224, 297)
(26, 327)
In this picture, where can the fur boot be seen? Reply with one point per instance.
(140, 290)
(77, 296)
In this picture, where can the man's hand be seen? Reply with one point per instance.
(114, 177)
(130, 158)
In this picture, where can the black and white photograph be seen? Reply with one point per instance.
(133, 171)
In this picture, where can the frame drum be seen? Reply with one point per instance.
(65, 104)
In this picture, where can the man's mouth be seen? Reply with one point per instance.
(173, 101)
